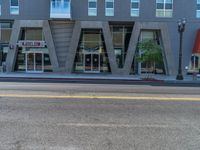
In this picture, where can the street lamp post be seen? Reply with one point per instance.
(181, 29)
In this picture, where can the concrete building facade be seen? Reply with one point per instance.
(96, 36)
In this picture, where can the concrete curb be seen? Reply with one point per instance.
(109, 78)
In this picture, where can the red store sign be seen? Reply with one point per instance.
(31, 44)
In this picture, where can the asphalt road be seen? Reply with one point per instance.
(66, 116)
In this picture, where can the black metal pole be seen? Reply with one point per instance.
(180, 76)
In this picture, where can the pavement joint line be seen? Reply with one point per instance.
(102, 97)
(108, 125)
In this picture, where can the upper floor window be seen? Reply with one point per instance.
(0, 6)
(14, 7)
(109, 4)
(198, 9)
(164, 8)
(135, 10)
(60, 9)
(92, 7)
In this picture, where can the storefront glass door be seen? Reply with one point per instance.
(88, 62)
(39, 62)
(95, 62)
(92, 63)
(30, 62)
(34, 62)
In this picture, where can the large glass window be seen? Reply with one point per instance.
(164, 8)
(148, 67)
(33, 34)
(60, 9)
(121, 35)
(91, 55)
(92, 7)
(198, 9)
(33, 58)
(5, 33)
(109, 5)
(14, 7)
(135, 10)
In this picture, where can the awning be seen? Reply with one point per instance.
(196, 48)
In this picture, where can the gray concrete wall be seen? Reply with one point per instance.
(167, 50)
(62, 35)
(40, 10)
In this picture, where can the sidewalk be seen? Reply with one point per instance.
(67, 76)
(64, 76)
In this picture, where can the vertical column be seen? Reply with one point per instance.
(132, 48)
(12, 53)
(50, 46)
(109, 48)
(73, 47)
(169, 62)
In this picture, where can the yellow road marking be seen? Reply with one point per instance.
(102, 97)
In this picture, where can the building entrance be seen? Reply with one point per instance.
(91, 55)
(92, 62)
(34, 62)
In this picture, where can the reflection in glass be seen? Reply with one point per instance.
(95, 62)
(91, 54)
(5, 33)
(33, 34)
(142, 67)
(38, 61)
(60, 9)
(92, 7)
(30, 61)
(33, 58)
(14, 7)
(88, 62)
(121, 35)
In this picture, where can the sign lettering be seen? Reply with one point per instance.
(31, 43)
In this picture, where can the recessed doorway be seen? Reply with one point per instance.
(35, 62)
(91, 63)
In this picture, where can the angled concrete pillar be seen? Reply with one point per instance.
(75, 40)
(12, 53)
(131, 49)
(18, 24)
(138, 26)
(73, 47)
(167, 51)
(110, 48)
(50, 45)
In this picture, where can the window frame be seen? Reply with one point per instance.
(58, 10)
(14, 7)
(135, 9)
(164, 10)
(0, 6)
(90, 9)
(109, 9)
(197, 10)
